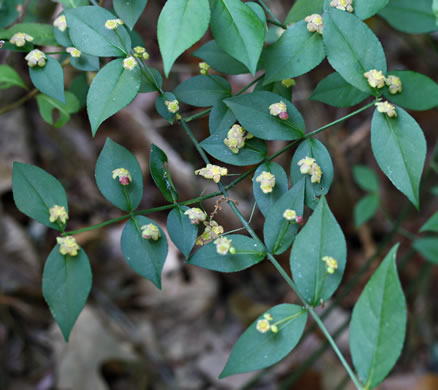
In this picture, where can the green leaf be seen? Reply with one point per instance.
(73, 3)
(47, 105)
(9, 77)
(335, 91)
(219, 60)
(66, 283)
(159, 167)
(313, 148)
(400, 150)
(419, 92)
(203, 91)
(8, 12)
(129, 11)
(181, 24)
(113, 88)
(79, 87)
(238, 30)
(114, 156)
(352, 48)
(278, 233)
(303, 8)
(252, 111)
(365, 209)
(161, 107)
(365, 178)
(49, 79)
(36, 191)
(431, 225)
(297, 51)
(255, 350)
(146, 257)
(182, 232)
(276, 87)
(42, 33)
(321, 236)
(364, 9)
(86, 63)
(221, 118)
(254, 151)
(62, 37)
(86, 26)
(266, 201)
(428, 248)
(146, 85)
(378, 324)
(248, 253)
(411, 17)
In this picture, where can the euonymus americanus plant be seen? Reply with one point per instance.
(103, 43)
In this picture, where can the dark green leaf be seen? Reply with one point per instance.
(238, 30)
(364, 9)
(428, 248)
(161, 107)
(303, 8)
(47, 105)
(148, 84)
(365, 209)
(66, 283)
(203, 91)
(86, 63)
(49, 79)
(335, 91)
(365, 178)
(73, 3)
(221, 118)
(252, 111)
(113, 88)
(62, 37)
(159, 167)
(321, 236)
(42, 33)
(297, 51)
(182, 232)
(79, 87)
(278, 233)
(255, 350)
(182, 23)
(9, 77)
(129, 11)
(431, 225)
(276, 87)
(259, 11)
(378, 324)
(352, 48)
(248, 253)
(36, 191)
(114, 156)
(400, 150)
(8, 12)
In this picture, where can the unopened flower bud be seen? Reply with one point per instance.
(58, 212)
(19, 39)
(277, 108)
(67, 246)
(331, 264)
(150, 231)
(375, 78)
(213, 172)
(386, 108)
(196, 215)
(267, 181)
(123, 175)
(223, 245)
(75, 53)
(394, 84)
(314, 23)
(343, 5)
(36, 57)
(203, 68)
(61, 23)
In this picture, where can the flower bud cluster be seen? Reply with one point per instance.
(60, 23)
(264, 325)
(308, 166)
(203, 68)
(331, 264)
(314, 23)
(112, 24)
(36, 57)
(196, 215)
(58, 212)
(386, 108)
(19, 39)
(67, 246)
(223, 246)
(267, 181)
(213, 172)
(343, 5)
(140, 52)
(279, 109)
(150, 231)
(376, 79)
(236, 137)
(172, 106)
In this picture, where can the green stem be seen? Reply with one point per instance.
(276, 20)
(289, 318)
(276, 23)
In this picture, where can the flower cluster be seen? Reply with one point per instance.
(343, 5)
(75, 53)
(267, 181)
(212, 231)
(308, 166)
(376, 79)
(287, 83)
(213, 172)
(36, 57)
(61, 23)
(58, 212)
(279, 109)
(314, 23)
(331, 264)
(112, 24)
(386, 108)
(196, 215)
(67, 246)
(150, 231)
(236, 137)
(264, 325)
(203, 68)
(123, 175)
(172, 106)
(140, 52)
(223, 246)
(129, 63)
(19, 39)
(394, 84)
(290, 215)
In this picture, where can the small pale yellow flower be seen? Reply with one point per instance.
(203, 68)
(386, 108)
(279, 109)
(287, 83)
(343, 5)
(75, 53)
(61, 23)
(235, 138)
(172, 106)
(150, 231)
(331, 264)
(112, 24)
(290, 215)
(67, 246)
(19, 39)
(394, 84)
(129, 63)
(196, 215)
(123, 175)
(223, 245)
(375, 78)
(58, 212)
(140, 52)
(314, 23)
(263, 326)
(213, 172)
(305, 165)
(316, 173)
(267, 181)
(36, 57)
(212, 231)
